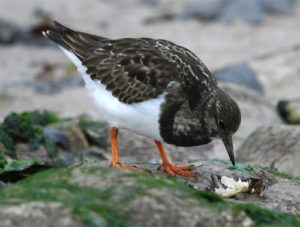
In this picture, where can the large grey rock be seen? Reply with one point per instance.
(92, 194)
(276, 146)
(37, 214)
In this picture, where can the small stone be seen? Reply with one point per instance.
(94, 153)
(203, 11)
(8, 32)
(64, 159)
(24, 152)
(59, 138)
(289, 110)
(76, 137)
(241, 74)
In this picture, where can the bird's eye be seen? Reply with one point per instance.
(221, 124)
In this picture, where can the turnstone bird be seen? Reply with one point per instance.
(152, 87)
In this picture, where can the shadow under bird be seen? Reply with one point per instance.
(154, 88)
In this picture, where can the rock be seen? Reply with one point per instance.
(33, 34)
(46, 87)
(241, 74)
(37, 214)
(289, 111)
(92, 193)
(11, 33)
(64, 159)
(77, 140)
(95, 154)
(276, 146)
(254, 11)
(17, 170)
(51, 87)
(249, 11)
(70, 81)
(278, 6)
(96, 132)
(26, 127)
(8, 32)
(24, 152)
(149, 2)
(208, 10)
(2, 184)
(276, 193)
(48, 82)
(58, 142)
(57, 137)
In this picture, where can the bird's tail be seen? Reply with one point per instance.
(73, 41)
(57, 33)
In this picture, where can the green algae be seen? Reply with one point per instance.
(98, 206)
(3, 161)
(242, 168)
(16, 165)
(26, 127)
(264, 217)
(91, 218)
(281, 174)
(6, 140)
(290, 114)
(53, 186)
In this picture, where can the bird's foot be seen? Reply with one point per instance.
(121, 165)
(177, 170)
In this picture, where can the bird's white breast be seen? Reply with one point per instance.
(141, 118)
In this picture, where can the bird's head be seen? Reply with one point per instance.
(224, 118)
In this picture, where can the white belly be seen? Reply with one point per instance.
(141, 118)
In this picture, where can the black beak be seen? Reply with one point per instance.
(229, 147)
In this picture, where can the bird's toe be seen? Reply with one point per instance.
(120, 165)
(178, 170)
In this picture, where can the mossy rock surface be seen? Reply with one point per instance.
(91, 194)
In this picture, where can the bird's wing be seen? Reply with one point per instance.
(134, 70)
(196, 80)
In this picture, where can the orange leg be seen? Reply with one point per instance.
(115, 162)
(172, 169)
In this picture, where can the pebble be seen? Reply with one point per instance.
(241, 74)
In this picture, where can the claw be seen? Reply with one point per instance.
(172, 169)
(177, 170)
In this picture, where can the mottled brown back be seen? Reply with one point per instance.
(135, 70)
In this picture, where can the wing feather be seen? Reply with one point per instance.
(135, 70)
